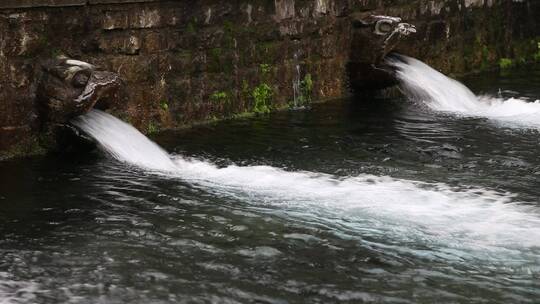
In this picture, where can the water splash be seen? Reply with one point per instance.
(407, 211)
(12, 291)
(123, 142)
(477, 217)
(422, 83)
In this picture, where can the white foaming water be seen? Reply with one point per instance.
(383, 206)
(123, 141)
(12, 291)
(440, 93)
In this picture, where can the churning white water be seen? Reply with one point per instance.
(440, 215)
(12, 291)
(123, 141)
(440, 93)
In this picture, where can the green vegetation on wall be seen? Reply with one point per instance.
(265, 68)
(525, 52)
(153, 127)
(306, 90)
(190, 28)
(164, 105)
(27, 147)
(219, 97)
(506, 63)
(262, 95)
(228, 35)
(537, 55)
(305, 94)
(485, 58)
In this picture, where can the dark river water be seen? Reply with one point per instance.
(359, 200)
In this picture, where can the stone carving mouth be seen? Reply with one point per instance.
(382, 34)
(388, 32)
(69, 88)
(374, 37)
(392, 40)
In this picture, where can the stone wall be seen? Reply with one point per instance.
(186, 61)
(458, 37)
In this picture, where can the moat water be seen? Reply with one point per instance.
(430, 198)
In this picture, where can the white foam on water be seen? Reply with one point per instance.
(478, 217)
(404, 210)
(15, 292)
(440, 93)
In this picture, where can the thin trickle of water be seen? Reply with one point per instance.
(476, 220)
(296, 82)
(422, 83)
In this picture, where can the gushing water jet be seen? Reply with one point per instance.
(439, 93)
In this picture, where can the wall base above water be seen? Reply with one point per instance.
(190, 61)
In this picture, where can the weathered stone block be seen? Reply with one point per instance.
(40, 3)
(13, 135)
(153, 42)
(285, 9)
(127, 43)
(114, 20)
(16, 111)
(322, 7)
(145, 18)
(118, 1)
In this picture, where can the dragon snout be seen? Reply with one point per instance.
(406, 29)
(69, 88)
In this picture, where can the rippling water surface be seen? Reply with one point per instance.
(374, 200)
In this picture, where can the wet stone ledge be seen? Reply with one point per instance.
(10, 4)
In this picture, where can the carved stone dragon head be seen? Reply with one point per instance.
(374, 37)
(69, 88)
